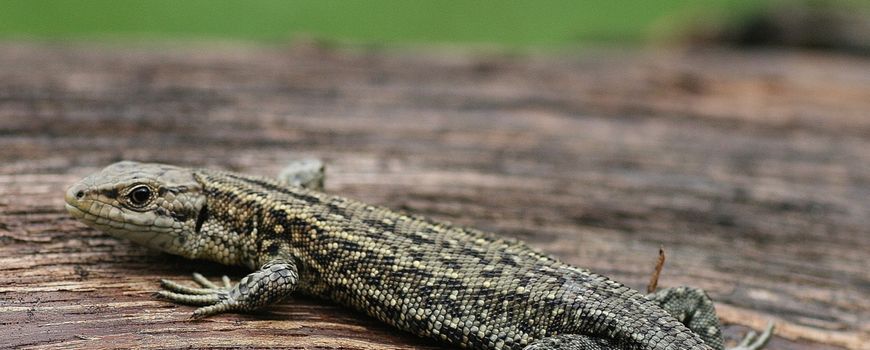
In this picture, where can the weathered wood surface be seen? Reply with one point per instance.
(752, 170)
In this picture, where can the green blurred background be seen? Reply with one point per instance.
(551, 23)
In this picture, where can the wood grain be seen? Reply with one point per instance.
(751, 169)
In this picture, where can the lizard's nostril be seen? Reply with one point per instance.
(80, 194)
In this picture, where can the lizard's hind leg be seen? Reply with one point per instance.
(307, 173)
(694, 308)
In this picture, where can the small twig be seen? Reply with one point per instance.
(654, 281)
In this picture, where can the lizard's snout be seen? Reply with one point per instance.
(75, 193)
(74, 197)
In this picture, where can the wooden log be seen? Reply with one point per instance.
(752, 170)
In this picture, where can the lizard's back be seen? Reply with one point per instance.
(438, 280)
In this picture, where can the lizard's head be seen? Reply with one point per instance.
(156, 205)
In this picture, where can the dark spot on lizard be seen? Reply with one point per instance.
(110, 193)
(451, 264)
(180, 216)
(495, 272)
(161, 211)
(278, 215)
(273, 248)
(200, 219)
(507, 260)
(419, 239)
(338, 209)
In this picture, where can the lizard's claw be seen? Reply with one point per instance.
(755, 341)
(214, 299)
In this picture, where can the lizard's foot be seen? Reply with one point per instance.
(214, 299)
(693, 308)
(272, 282)
(755, 341)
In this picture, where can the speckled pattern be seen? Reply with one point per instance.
(458, 285)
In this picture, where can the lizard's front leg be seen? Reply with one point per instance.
(271, 283)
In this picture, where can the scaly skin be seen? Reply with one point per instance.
(458, 285)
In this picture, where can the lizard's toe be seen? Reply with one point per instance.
(205, 286)
(755, 341)
(173, 286)
(192, 299)
(204, 282)
(214, 309)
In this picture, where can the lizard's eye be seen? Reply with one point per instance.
(139, 196)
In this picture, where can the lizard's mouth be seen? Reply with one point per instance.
(74, 211)
(105, 223)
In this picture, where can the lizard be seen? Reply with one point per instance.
(460, 286)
